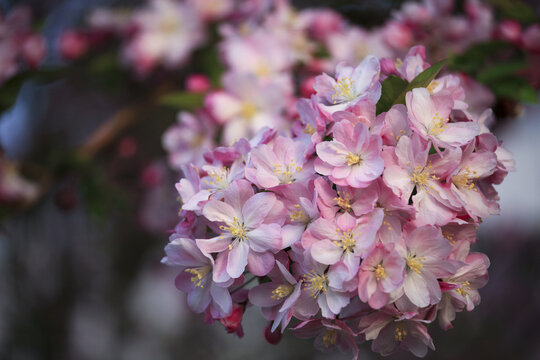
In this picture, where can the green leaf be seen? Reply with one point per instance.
(421, 80)
(515, 88)
(501, 70)
(515, 9)
(182, 100)
(478, 56)
(392, 87)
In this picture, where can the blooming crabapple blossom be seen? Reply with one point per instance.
(219, 177)
(410, 167)
(460, 291)
(350, 85)
(335, 203)
(245, 239)
(188, 139)
(167, 32)
(392, 125)
(278, 296)
(311, 126)
(430, 117)
(196, 277)
(279, 163)
(388, 333)
(424, 250)
(300, 201)
(347, 240)
(381, 272)
(352, 158)
(246, 106)
(329, 334)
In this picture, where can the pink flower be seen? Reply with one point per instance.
(424, 250)
(350, 85)
(278, 296)
(195, 277)
(346, 240)
(328, 334)
(245, 238)
(353, 157)
(281, 162)
(430, 117)
(381, 272)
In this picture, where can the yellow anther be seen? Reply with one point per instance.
(299, 215)
(330, 337)
(343, 202)
(415, 264)
(380, 273)
(282, 291)
(465, 179)
(287, 173)
(420, 176)
(344, 89)
(353, 159)
(464, 289)
(219, 177)
(346, 241)
(400, 332)
(309, 129)
(237, 230)
(438, 125)
(432, 85)
(248, 110)
(316, 283)
(198, 275)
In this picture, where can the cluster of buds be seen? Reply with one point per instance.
(356, 226)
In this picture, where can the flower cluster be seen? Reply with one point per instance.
(357, 227)
(19, 43)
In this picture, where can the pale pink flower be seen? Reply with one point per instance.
(245, 239)
(353, 157)
(381, 272)
(278, 296)
(329, 334)
(424, 250)
(279, 163)
(350, 85)
(430, 117)
(167, 33)
(195, 277)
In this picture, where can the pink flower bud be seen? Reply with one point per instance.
(197, 83)
(33, 49)
(272, 337)
(73, 45)
(233, 323)
(509, 30)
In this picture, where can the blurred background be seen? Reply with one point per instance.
(80, 271)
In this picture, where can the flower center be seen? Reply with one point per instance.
(198, 275)
(299, 215)
(330, 337)
(400, 332)
(286, 173)
(465, 179)
(219, 177)
(343, 90)
(432, 85)
(346, 241)
(415, 264)
(353, 159)
(309, 129)
(237, 230)
(421, 175)
(343, 202)
(248, 110)
(380, 273)
(438, 125)
(316, 283)
(282, 291)
(464, 289)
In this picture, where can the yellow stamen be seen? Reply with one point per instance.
(380, 273)
(465, 179)
(344, 89)
(343, 202)
(330, 337)
(400, 332)
(248, 111)
(198, 275)
(415, 264)
(299, 215)
(346, 241)
(287, 173)
(353, 159)
(309, 129)
(316, 283)
(439, 125)
(432, 85)
(237, 230)
(464, 289)
(282, 291)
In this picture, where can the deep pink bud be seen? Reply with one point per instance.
(509, 30)
(73, 45)
(272, 337)
(233, 323)
(33, 49)
(306, 88)
(197, 83)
